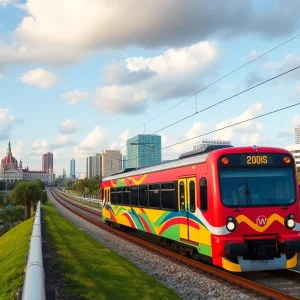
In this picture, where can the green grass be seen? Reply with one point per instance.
(90, 270)
(14, 247)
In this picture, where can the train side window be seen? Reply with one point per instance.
(126, 196)
(119, 195)
(134, 196)
(192, 196)
(154, 195)
(168, 195)
(113, 196)
(181, 196)
(203, 194)
(143, 195)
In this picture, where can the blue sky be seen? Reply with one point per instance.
(80, 77)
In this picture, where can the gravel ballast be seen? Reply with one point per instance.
(187, 283)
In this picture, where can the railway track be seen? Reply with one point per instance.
(283, 284)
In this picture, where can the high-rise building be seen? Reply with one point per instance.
(143, 150)
(94, 166)
(89, 167)
(111, 162)
(297, 134)
(97, 165)
(72, 168)
(64, 174)
(47, 162)
(209, 142)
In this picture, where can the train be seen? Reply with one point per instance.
(234, 207)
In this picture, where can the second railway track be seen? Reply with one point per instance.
(283, 284)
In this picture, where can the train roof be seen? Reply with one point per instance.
(191, 158)
(185, 159)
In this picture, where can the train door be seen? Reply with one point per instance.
(187, 204)
(107, 201)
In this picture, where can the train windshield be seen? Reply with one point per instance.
(257, 187)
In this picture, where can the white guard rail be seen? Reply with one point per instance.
(82, 199)
(34, 285)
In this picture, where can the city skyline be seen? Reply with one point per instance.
(130, 84)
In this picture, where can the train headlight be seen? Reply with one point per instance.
(290, 222)
(231, 224)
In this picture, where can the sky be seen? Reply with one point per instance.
(79, 77)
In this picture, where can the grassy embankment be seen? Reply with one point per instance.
(90, 270)
(13, 249)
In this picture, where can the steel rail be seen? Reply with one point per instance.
(34, 284)
(231, 277)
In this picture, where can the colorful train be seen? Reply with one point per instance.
(234, 207)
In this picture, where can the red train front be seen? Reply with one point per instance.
(255, 210)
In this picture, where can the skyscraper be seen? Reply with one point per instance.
(47, 162)
(297, 134)
(89, 167)
(72, 168)
(143, 150)
(111, 162)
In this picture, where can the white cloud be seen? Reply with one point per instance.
(5, 3)
(74, 97)
(121, 145)
(173, 74)
(290, 132)
(251, 127)
(39, 147)
(6, 123)
(40, 78)
(197, 129)
(64, 31)
(62, 141)
(1, 75)
(90, 144)
(290, 61)
(68, 127)
(125, 99)
(296, 120)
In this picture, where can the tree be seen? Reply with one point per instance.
(40, 183)
(19, 196)
(26, 193)
(35, 193)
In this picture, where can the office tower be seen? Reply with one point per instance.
(143, 150)
(47, 162)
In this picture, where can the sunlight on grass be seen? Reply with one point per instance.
(14, 246)
(92, 271)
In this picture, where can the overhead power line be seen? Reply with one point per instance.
(225, 127)
(226, 99)
(222, 101)
(216, 81)
(221, 78)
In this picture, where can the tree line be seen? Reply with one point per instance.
(88, 187)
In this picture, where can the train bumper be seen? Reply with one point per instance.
(244, 265)
(260, 255)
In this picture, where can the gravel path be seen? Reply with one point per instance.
(187, 283)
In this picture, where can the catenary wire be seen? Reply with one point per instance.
(221, 78)
(214, 82)
(225, 127)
